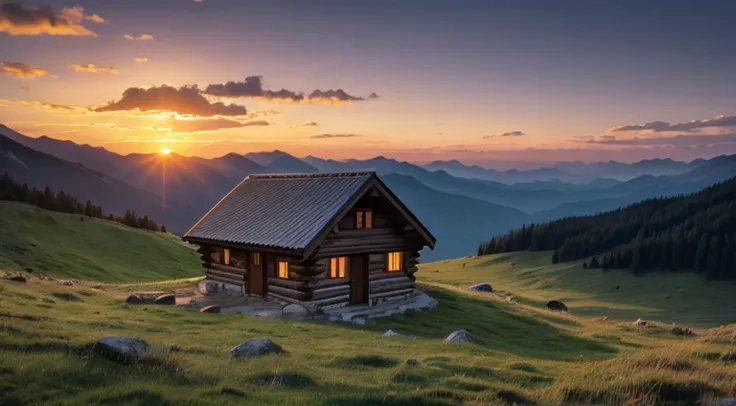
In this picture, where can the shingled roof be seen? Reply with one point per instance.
(290, 211)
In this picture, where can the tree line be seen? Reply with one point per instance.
(695, 232)
(62, 202)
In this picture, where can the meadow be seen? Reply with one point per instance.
(521, 352)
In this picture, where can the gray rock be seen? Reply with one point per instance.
(210, 309)
(67, 283)
(255, 347)
(17, 278)
(481, 287)
(391, 333)
(295, 310)
(121, 348)
(459, 336)
(133, 299)
(556, 305)
(412, 362)
(167, 299)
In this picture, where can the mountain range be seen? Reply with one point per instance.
(458, 208)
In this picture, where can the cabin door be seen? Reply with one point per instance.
(256, 276)
(358, 279)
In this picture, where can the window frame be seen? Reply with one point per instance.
(285, 275)
(400, 263)
(342, 264)
(363, 219)
(256, 258)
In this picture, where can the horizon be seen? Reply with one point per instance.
(491, 84)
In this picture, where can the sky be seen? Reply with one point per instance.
(496, 83)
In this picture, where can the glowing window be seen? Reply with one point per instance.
(363, 219)
(338, 266)
(226, 256)
(256, 258)
(283, 270)
(394, 261)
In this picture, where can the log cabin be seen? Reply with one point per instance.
(323, 240)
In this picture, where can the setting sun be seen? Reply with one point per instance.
(165, 151)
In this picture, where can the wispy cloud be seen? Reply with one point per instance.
(15, 19)
(92, 68)
(686, 126)
(21, 70)
(306, 124)
(142, 37)
(95, 18)
(183, 100)
(507, 134)
(327, 136)
(189, 126)
(680, 140)
(141, 60)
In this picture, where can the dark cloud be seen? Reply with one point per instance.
(324, 136)
(189, 126)
(21, 70)
(508, 134)
(681, 140)
(184, 100)
(252, 86)
(687, 126)
(16, 19)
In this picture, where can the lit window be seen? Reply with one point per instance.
(337, 267)
(363, 219)
(283, 270)
(394, 261)
(256, 258)
(226, 256)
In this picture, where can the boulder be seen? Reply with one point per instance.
(391, 333)
(167, 299)
(133, 299)
(17, 278)
(557, 306)
(67, 283)
(412, 362)
(255, 347)
(480, 287)
(120, 348)
(210, 309)
(295, 310)
(459, 336)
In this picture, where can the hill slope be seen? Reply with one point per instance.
(61, 245)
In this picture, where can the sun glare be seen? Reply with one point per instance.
(165, 151)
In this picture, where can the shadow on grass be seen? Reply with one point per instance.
(136, 397)
(493, 327)
(365, 361)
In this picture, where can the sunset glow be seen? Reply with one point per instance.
(165, 151)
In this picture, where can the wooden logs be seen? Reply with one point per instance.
(225, 280)
(329, 292)
(227, 268)
(290, 293)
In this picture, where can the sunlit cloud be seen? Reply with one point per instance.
(95, 18)
(140, 60)
(328, 136)
(252, 87)
(197, 125)
(184, 100)
(92, 68)
(686, 126)
(681, 140)
(21, 70)
(15, 19)
(306, 124)
(506, 134)
(142, 37)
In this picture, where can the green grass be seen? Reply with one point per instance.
(521, 352)
(64, 246)
(671, 297)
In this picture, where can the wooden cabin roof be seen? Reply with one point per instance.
(291, 212)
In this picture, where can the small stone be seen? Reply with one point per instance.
(459, 336)
(133, 299)
(391, 333)
(67, 283)
(17, 278)
(556, 305)
(210, 309)
(255, 347)
(167, 299)
(412, 362)
(121, 348)
(295, 310)
(481, 287)
(641, 323)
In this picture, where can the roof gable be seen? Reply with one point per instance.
(290, 211)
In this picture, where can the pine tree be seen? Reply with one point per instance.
(712, 263)
(594, 264)
(701, 254)
(556, 257)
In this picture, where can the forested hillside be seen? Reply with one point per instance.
(695, 232)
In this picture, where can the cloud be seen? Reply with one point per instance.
(184, 100)
(92, 68)
(190, 126)
(95, 18)
(21, 70)
(686, 126)
(142, 37)
(306, 124)
(141, 60)
(252, 87)
(16, 19)
(43, 106)
(516, 133)
(681, 140)
(325, 136)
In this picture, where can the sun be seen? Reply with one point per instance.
(165, 151)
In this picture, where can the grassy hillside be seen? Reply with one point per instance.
(61, 245)
(679, 297)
